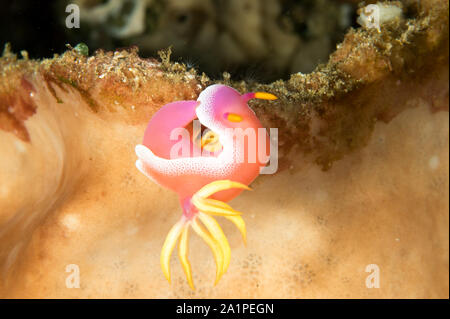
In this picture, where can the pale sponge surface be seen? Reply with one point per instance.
(310, 233)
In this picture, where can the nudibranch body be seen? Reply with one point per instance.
(214, 166)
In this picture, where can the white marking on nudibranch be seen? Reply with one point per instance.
(211, 166)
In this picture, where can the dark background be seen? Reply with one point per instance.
(38, 28)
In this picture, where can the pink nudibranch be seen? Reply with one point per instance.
(204, 181)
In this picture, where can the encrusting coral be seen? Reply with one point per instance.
(363, 177)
